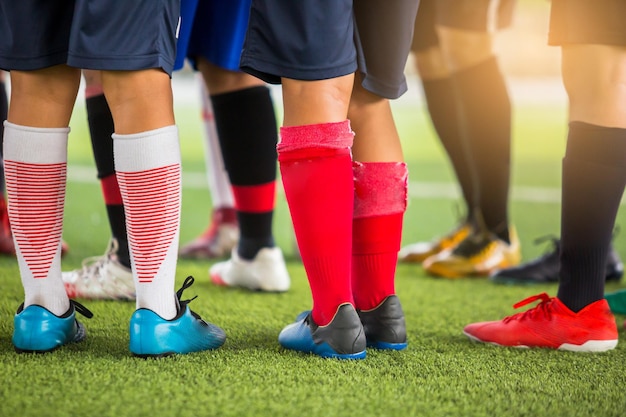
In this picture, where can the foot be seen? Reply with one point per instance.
(266, 272)
(218, 240)
(38, 330)
(552, 325)
(101, 278)
(479, 254)
(545, 269)
(384, 325)
(418, 252)
(342, 338)
(153, 336)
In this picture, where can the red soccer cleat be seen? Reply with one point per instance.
(552, 325)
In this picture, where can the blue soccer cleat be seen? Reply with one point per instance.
(38, 330)
(384, 325)
(153, 336)
(342, 338)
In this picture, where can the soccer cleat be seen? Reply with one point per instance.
(152, 336)
(101, 278)
(37, 330)
(266, 272)
(545, 269)
(384, 325)
(479, 254)
(617, 301)
(342, 338)
(218, 240)
(550, 324)
(418, 252)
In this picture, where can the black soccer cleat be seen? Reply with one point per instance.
(384, 325)
(545, 269)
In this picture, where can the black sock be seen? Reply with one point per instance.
(247, 130)
(486, 125)
(594, 176)
(101, 128)
(442, 103)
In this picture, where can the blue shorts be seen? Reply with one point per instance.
(88, 34)
(218, 32)
(588, 22)
(471, 15)
(321, 39)
(187, 14)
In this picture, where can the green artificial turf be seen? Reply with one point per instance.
(440, 374)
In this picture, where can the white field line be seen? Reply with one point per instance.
(443, 190)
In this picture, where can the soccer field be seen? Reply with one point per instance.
(440, 374)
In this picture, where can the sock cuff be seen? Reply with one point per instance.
(380, 188)
(146, 150)
(596, 144)
(19, 142)
(325, 135)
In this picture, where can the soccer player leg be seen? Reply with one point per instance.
(246, 125)
(35, 152)
(106, 277)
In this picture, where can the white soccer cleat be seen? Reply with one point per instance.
(266, 272)
(101, 278)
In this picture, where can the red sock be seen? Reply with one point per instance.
(380, 202)
(111, 190)
(316, 169)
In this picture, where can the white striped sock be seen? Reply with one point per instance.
(149, 173)
(35, 165)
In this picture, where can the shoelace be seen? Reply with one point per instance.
(93, 264)
(183, 303)
(79, 308)
(541, 309)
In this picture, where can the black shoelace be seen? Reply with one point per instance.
(183, 303)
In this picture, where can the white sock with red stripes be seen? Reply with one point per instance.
(148, 170)
(35, 161)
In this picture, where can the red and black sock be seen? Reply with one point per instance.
(246, 127)
(101, 128)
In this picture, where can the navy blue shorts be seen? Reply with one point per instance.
(474, 15)
(322, 39)
(218, 32)
(588, 22)
(88, 34)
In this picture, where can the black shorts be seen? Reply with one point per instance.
(89, 34)
(588, 22)
(474, 15)
(322, 39)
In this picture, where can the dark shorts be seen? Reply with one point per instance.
(474, 15)
(322, 39)
(588, 22)
(218, 32)
(88, 34)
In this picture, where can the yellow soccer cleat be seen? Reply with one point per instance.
(477, 255)
(418, 252)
